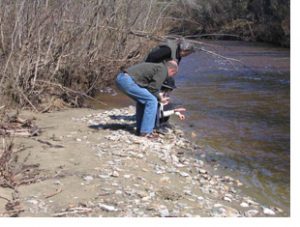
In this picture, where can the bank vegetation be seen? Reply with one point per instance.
(55, 53)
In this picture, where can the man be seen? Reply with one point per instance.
(170, 50)
(142, 83)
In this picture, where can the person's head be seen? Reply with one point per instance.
(168, 85)
(185, 48)
(172, 67)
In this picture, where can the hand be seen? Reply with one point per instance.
(181, 116)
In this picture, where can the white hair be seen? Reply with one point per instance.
(172, 64)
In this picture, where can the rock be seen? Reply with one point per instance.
(164, 212)
(33, 201)
(232, 190)
(103, 176)
(107, 207)
(251, 213)
(277, 209)
(184, 174)
(239, 183)
(115, 174)
(268, 211)
(243, 204)
(228, 179)
(223, 211)
(88, 178)
(227, 199)
(142, 194)
(118, 192)
(251, 202)
(202, 171)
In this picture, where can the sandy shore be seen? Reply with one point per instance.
(89, 163)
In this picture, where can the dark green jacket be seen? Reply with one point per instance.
(149, 75)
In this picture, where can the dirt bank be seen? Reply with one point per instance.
(89, 163)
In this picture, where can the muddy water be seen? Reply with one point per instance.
(240, 113)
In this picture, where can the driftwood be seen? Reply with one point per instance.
(16, 126)
(14, 174)
(74, 211)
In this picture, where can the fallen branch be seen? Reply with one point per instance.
(49, 144)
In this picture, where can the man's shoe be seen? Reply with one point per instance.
(163, 130)
(150, 135)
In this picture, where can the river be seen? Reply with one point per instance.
(240, 113)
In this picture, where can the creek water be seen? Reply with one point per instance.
(239, 112)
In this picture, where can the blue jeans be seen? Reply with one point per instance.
(146, 103)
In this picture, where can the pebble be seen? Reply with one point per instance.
(268, 211)
(251, 213)
(184, 174)
(223, 211)
(33, 201)
(164, 212)
(88, 178)
(103, 176)
(243, 204)
(107, 207)
(115, 174)
(251, 202)
(202, 171)
(227, 199)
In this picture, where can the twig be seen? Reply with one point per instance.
(54, 193)
(1, 197)
(30, 103)
(1, 107)
(49, 144)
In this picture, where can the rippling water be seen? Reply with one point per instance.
(240, 112)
